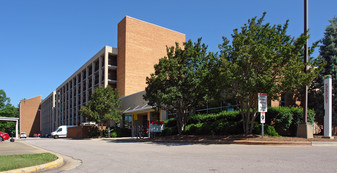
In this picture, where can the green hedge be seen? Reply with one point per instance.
(114, 133)
(279, 121)
(223, 123)
(286, 119)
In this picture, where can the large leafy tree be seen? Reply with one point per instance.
(328, 51)
(263, 58)
(103, 106)
(182, 80)
(7, 110)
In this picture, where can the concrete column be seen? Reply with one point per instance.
(82, 92)
(93, 78)
(56, 107)
(73, 102)
(149, 119)
(100, 71)
(77, 97)
(16, 129)
(87, 85)
(62, 106)
(106, 67)
(68, 103)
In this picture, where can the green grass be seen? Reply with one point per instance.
(10, 162)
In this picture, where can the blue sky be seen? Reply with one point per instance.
(43, 42)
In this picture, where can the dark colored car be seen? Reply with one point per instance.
(3, 136)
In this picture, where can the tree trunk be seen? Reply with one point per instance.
(101, 130)
(181, 121)
(252, 123)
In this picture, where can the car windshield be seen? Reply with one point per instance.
(60, 129)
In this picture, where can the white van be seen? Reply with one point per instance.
(61, 132)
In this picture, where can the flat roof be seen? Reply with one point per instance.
(8, 119)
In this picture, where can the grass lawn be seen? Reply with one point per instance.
(25, 160)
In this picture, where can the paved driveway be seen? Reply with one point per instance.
(14, 148)
(107, 156)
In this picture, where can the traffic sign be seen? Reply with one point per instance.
(263, 117)
(262, 102)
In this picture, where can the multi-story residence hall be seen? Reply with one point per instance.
(140, 46)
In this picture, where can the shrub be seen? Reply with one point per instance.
(94, 133)
(268, 130)
(113, 134)
(120, 132)
(170, 122)
(223, 123)
(286, 119)
(123, 132)
(169, 131)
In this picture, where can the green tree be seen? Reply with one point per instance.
(328, 51)
(182, 80)
(103, 106)
(7, 110)
(263, 59)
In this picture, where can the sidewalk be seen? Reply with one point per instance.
(16, 148)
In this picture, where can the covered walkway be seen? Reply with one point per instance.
(16, 124)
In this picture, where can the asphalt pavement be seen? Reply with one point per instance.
(122, 156)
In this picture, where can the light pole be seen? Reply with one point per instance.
(305, 111)
(305, 129)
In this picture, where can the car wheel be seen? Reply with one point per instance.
(55, 137)
(1, 139)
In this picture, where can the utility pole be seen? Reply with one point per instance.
(305, 129)
(305, 104)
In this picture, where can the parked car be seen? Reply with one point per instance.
(23, 135)
(3, 136)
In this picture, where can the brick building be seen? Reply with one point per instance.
(30, 115)
(140, 46)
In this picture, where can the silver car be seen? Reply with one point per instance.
(23, 135)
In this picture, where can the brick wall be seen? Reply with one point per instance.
(30, 115)
(140, 46)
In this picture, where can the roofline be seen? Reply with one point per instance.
(153, 24)
(131, 94)
(114, 51)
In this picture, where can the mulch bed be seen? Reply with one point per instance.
(232, 139)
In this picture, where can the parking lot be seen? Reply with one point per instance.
(109, 156)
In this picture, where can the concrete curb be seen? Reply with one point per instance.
(283, 143)
(56, 163)
(321, 143)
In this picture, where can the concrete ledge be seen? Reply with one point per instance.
(289, 143)
(56, 163)
(320, 143)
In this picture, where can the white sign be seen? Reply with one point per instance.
(263, 117)
(262, 102)
(328, 106)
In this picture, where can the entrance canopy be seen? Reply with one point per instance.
(16, 124)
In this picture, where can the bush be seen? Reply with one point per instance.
(170, 122)
(113, 134)
(223, 123)
(286, 119)
(168, 131)
(268, 130)
(224, 115)
(94, 133)
(120, 132)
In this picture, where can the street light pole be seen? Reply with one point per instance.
(305, 111)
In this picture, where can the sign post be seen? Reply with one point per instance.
(328, 106)
(262, 108)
